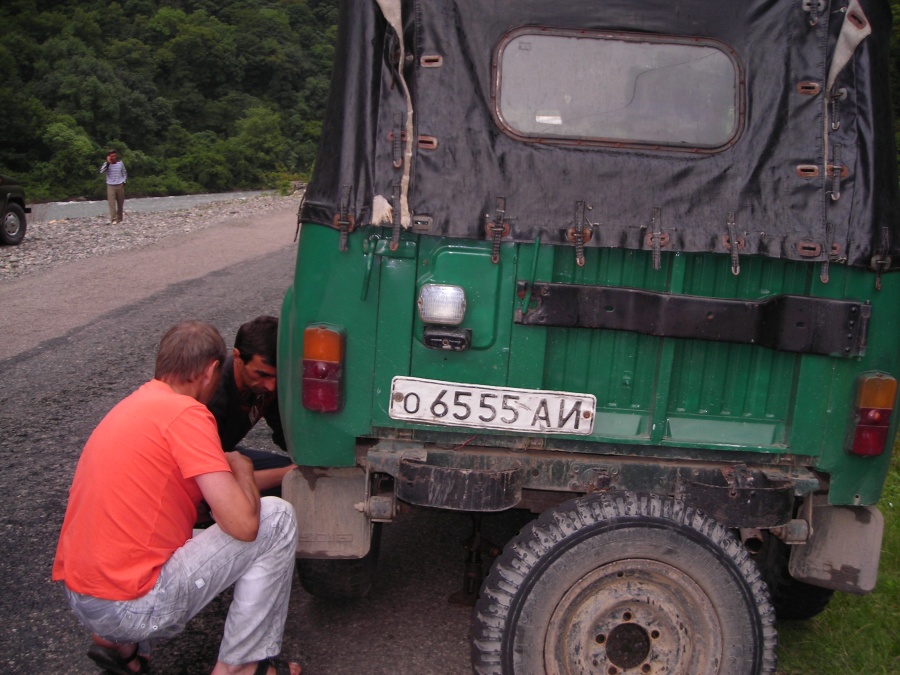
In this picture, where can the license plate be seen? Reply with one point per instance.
(473, 405)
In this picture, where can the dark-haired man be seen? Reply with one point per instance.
(132, 570)
(247, 393)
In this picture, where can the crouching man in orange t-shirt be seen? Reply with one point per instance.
(133, 572)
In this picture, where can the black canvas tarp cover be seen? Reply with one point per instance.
(773, 175)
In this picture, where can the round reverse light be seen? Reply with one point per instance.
(441, 304)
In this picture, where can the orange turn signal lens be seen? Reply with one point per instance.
(323, 368)
(875, 395)
(876, 390)
(321, 343)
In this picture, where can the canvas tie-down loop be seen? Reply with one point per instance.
(854, 30)
(393, 15)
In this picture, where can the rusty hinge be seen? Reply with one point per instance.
(497, 229)
(580, 233)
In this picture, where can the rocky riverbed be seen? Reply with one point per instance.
(50, 242)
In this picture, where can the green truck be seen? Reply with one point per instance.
(628, 265)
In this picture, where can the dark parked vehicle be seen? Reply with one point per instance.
(14, 210)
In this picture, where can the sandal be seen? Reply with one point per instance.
(110, 660)
(280, 665)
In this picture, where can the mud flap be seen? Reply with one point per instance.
(844, 548)
(325, 500)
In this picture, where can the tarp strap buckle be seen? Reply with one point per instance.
(882, 259)
(654, 238)
(497, 229)
(734, 243)
(836, 96)
(344, 220)
(397, 145)
(835, 170)
(395, 230)
(829, 244)
(580, 233)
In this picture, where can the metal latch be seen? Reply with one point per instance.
(734, 244)
(496, 229)
(580, 233)
(343, 221)
(656, 239)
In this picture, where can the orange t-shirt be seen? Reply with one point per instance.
(134, 499)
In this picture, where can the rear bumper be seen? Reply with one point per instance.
(493, 479)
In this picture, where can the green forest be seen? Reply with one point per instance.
(196, 95)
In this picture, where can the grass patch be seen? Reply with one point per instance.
(856, 634)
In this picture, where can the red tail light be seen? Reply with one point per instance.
(323, 368)
(875, 394)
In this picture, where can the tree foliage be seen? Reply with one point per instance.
(196, 95)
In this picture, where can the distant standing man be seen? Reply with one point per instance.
(116, 176)
(248, 392)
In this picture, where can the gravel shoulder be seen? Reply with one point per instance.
(69, 272)
(49, 243)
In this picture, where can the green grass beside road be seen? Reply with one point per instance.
(857, 635)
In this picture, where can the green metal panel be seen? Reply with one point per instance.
(326, 289)
(488, 316)
(688, 394)
(858, 480)
(397, 303)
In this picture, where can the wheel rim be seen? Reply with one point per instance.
(11, 224)
(634, 616)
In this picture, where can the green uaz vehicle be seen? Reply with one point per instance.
(630, 265)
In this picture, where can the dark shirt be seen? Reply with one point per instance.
(237, 412)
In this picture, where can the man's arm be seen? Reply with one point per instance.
(233, 497)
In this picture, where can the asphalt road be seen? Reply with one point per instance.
(75, 360)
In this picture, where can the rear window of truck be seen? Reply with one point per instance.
(617, 88)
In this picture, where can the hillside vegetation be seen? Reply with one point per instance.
(196, 95)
